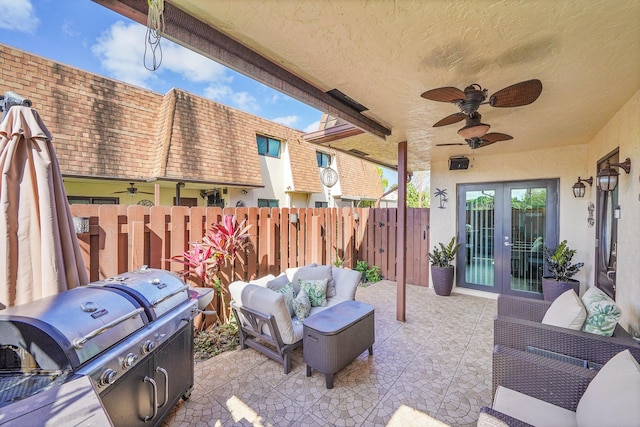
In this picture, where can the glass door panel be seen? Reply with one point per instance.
(527, 239)
(479, 226)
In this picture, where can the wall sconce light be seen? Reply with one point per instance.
(81, 224)
(293, 218)
(356, 217)
(608, 177)
(579, 187)
(244, 191)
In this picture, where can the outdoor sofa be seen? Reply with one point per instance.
(268, 324)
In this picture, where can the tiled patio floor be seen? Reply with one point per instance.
(432, 370)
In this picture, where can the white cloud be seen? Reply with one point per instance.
(225, 94)
(218, 92)
(312, 127)
(67, 29)
(121, 50)
(18, 15)
(287, 120)
(245, 101)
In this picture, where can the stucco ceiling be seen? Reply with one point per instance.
(384, 54)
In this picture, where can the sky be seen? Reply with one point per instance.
(88, 36)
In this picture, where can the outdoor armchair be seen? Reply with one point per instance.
(534, 390)
(518, 325)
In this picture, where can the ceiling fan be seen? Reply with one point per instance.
(469, 100)
(482, 141)
(475, 133)
(131, 190)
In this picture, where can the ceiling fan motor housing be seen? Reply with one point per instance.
(474, 96)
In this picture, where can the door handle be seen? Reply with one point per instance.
(154, 402)
(508, 244)
(166, 384)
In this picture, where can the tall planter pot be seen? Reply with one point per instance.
(552, 288)
(442, 279)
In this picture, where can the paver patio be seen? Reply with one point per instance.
(432, 370)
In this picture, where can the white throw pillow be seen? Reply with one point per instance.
(566, 311)
(613, 396)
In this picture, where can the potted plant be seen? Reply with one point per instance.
(442, 270)
(561, 269)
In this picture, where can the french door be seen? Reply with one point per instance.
(503, 227)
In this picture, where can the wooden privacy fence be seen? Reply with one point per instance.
(123, 238)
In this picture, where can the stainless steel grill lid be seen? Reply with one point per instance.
(158, 291)
(66, 330)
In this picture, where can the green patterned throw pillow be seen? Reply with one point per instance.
(289, 296)
(316, 289)
(602, 312)
(302, 305)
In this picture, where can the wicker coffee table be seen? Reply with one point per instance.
(334, 337)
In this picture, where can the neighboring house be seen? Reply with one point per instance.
(122, 144)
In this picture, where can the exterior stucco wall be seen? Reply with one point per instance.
(565, 163)
(623, 131)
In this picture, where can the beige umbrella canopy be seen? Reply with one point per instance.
(39, 251)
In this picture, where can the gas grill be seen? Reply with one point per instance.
(132, 334)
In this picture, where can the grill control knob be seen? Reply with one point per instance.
(108, 377)
(148, 346)
(129, 360)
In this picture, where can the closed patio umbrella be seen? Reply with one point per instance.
(39, 251)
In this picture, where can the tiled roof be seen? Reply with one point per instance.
(108, 129)
(358, 177)
(208, 142)
(96, 122)
(304, 166)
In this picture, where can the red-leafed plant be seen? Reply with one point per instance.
(220, 246)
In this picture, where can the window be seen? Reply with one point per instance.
(324, 159)
(267, 203)
(268, 146)
(322, 205)
(82, 200)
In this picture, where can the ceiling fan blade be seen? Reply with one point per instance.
(495, 137)
(454, 118)
(516, 95)
(451, 143)
(444, 94)
(143, 192)
(118, 192)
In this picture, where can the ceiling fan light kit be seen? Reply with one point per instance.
(474, 131)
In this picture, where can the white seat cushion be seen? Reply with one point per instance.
(613, 396)
(531, 410)
(266, 301)
(567, 311)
